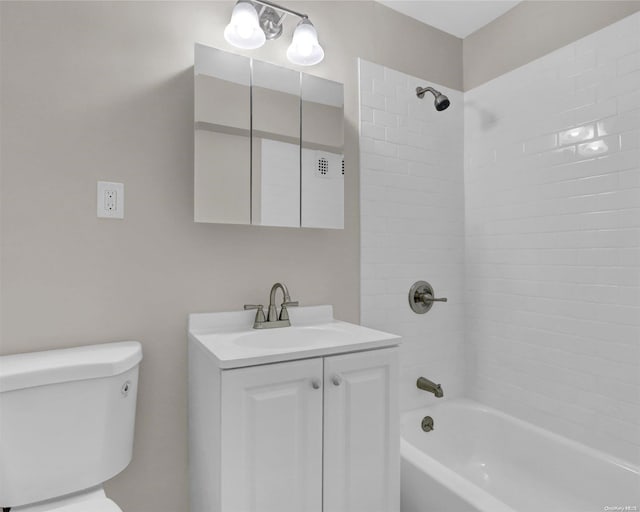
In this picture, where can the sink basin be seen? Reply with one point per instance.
(290, 337)
(233, 343)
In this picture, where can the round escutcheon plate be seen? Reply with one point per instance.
(416, 294)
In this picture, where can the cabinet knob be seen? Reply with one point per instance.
(336, 380)
(316, 383)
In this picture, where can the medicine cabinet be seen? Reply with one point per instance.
(268, 144)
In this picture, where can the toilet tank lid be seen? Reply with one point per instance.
(32, 369)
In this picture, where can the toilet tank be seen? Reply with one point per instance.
(66, 419)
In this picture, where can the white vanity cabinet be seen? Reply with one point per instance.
(361, 436)
(271, 437)
(316, 434)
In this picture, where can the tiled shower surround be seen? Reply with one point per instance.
(552, 196)
(551, 205)
(412, 224)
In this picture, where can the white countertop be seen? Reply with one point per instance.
(233, 342)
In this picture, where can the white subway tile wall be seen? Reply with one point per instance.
(552, 197)
(538, 229)
(412, 224)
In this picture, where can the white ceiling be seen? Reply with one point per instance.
(457, 17)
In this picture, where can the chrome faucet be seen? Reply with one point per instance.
(273, 319)
(286, 300)
(431, 387)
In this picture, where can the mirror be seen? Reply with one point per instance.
(222, 166)
(275, 139)
(322, 153)
(269, 144)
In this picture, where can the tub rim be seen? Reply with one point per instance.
(472, 404)
(454, 482)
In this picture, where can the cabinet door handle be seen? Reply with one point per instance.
(316, 383)
(336, 380)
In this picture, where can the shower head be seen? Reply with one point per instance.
(441, 101)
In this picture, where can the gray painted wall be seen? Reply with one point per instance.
(532, 29)
(104, 91)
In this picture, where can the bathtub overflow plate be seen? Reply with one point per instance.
(427, 424)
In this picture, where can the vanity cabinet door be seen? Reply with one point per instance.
(271, 448)
(361, 432)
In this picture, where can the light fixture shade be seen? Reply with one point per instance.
(304, 49)
(243, 31)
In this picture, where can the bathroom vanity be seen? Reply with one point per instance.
(300, 418)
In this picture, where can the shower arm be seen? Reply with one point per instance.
(421, 90)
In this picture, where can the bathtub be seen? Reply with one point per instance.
(478, 459)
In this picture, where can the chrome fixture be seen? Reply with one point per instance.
(273, 319)
(422, 297)
(441, 101)
(427, 423)
(286, 301)
(426, 385)
(260, 320)
(271, 23)
(255, 21)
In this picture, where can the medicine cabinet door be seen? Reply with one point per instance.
(222, 137)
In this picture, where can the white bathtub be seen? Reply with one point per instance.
(478, 459)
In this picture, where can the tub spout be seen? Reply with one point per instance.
(427, 385)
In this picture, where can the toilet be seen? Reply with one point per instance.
(67, 419)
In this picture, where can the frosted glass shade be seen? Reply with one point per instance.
(243, 31)
(304, 49)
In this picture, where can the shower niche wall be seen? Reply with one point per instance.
(268, 144)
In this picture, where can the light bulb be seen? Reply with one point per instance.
(304, 49)
(304, 41)
(243, 31)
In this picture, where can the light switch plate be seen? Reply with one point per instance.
(110, 200)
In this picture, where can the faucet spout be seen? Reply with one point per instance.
(430, 386)
(274, 319)
(273, 313)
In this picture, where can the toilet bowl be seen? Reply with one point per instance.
(67, 426)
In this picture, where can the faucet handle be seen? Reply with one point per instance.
(422, 297)
(284, 314)
(427, 297)
(260, 318)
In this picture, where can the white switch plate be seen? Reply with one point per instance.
(110, 200)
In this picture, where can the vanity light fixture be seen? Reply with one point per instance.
(304, 49)
(255, 21)
(243, 31)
